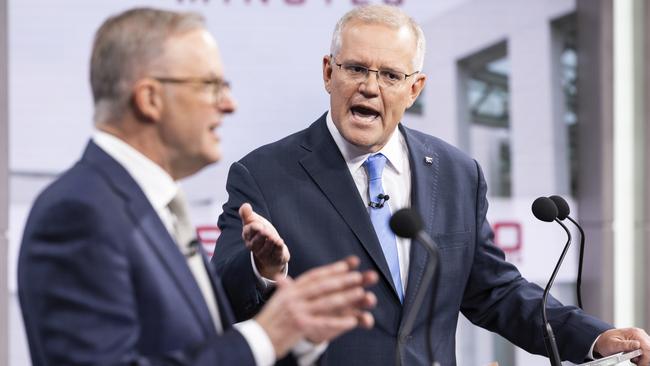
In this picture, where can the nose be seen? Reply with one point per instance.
(370, 86)
(226, 103)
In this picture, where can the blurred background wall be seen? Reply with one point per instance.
(550, 96)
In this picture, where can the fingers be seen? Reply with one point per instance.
(246, 213)
(625, 340)
(366, 320)
(260, 237)
(330, 270)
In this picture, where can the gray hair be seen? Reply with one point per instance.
(386, 15)
(125, 48)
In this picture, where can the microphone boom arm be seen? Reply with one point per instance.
(549, 337)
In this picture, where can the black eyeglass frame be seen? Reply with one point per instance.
(218, 85)
(377, 72)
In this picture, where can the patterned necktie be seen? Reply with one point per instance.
(380, 216)
(184, 234)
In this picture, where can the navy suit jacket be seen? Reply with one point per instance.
(102, 282)
(303, 186)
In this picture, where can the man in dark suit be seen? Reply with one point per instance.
(329, 190)
(109, 273)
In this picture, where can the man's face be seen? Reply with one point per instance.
(365, 113)
(192, 112)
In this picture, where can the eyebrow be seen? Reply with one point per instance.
(365, 64)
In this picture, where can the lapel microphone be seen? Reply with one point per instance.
(382, 198)
(192, 248)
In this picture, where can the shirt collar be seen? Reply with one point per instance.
(157, 185)
(394, 150)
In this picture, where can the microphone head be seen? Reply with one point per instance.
(544, 209)
(406, 223)
(563, 209)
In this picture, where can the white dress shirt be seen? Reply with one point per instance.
(395, 179)
(160, 189)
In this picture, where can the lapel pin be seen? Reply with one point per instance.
(428, 160)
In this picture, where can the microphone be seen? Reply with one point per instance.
(192, 248)
(406, 223)
(563, 213)
(545, 210)
(382, 199)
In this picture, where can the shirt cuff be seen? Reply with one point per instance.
(590, 355)
(308, 353)
(258, 341)
(262, 282)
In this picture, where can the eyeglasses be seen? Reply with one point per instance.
(385, 77)
(216, 86)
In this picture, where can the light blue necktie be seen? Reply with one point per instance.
(380, 216)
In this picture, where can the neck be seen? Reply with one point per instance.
(142, 139)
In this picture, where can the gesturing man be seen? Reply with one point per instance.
(329, 190)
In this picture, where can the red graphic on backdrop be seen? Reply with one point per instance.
(508, 237)
(208, 235)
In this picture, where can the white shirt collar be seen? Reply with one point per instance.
(157, 185)
(355, 157)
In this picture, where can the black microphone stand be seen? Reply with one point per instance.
(430, 273)
(549, 337)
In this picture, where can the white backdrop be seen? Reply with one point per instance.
(272, 51)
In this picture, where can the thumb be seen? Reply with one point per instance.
(246, 213)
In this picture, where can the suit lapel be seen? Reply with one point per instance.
(225, 311)
(326, 166)
(424, 162)
(155, 233)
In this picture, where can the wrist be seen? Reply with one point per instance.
(269, 271)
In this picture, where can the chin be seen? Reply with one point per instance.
(360, 140)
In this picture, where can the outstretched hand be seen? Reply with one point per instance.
(625, 340)
(260, 237)
(319, 305)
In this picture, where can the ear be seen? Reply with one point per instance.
(327, 73)
(147, 99)
(416, 88)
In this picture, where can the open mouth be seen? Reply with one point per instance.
(213, 130)
(364, 112)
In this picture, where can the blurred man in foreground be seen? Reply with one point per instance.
(330, 189)
(110, 272)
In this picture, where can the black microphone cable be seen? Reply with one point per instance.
(563, 213)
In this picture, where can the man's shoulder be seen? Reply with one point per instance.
(79, 183)
(291, 145)
(88, 182)
(436, 145)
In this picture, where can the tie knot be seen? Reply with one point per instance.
(178, 205)
(375, 166)
(183, 230)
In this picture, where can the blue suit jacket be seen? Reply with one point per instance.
(102, 282)
(303, 186)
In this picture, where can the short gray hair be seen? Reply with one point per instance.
(386, 15)
(125, 47)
